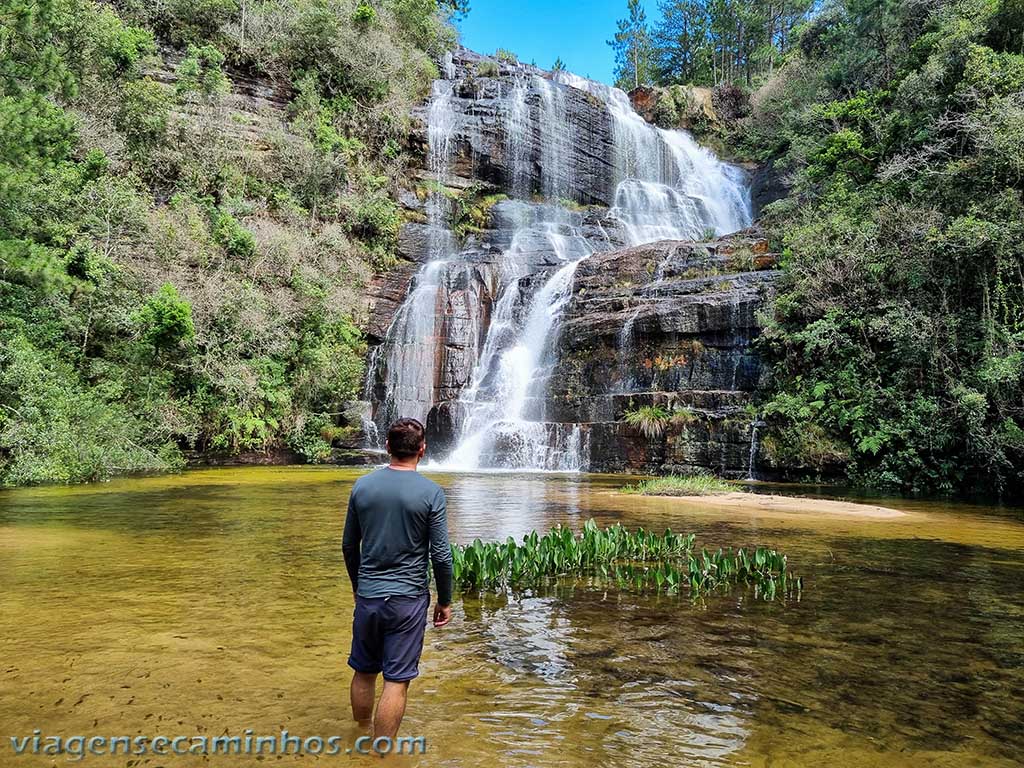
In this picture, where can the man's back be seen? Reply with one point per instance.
(396, 519)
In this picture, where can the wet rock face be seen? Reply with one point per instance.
(577, 134)
(668, 324)
(522, 332)
(385, 295)
(767, 184)
(469, 287)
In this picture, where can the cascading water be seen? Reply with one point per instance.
(516, 144)
(669, 187)
(755, 425)
(406, 361)
(503, 409)
(556, 137)
(626, 345)
(504, 424)
(665, 187)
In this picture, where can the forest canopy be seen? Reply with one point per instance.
(897, 341)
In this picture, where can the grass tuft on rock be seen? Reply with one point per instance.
(681, 485)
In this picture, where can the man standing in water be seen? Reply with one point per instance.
(396, 518)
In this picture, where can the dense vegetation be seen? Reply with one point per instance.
(178, 270)
(639, 559)
(897, 339)
(181, 270)
(705, 42)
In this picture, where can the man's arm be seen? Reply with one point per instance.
(350, 541)
(441, 559)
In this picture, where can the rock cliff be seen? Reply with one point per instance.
(542, 157)
(519, 256)
(667, 324)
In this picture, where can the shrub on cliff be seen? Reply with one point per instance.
(116, 185)
(649, 420)
(165, 320)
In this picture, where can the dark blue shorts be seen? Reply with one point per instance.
(387, 635)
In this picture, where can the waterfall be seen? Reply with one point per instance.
(503, 422)
(664, 186)
(669, 187)
(517, 144)
(556, 136)
(411, 356)
(754, 445)
(405, 364)
(626, 347)
(504, 405)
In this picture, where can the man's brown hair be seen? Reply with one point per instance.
(405, 438)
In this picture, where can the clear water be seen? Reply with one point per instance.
(216, 600)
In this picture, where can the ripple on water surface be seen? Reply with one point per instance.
(216, 601)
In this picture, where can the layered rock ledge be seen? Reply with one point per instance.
(667, 324)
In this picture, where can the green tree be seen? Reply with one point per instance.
(721, 41)
(201, 72)
(143, 113)
(114, 205)
(896, 337)
(632, 47)
(55, 429)
(165, 320)
(682, 43)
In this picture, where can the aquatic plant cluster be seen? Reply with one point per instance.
(640, 559)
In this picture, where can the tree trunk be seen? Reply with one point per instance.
(241, 34)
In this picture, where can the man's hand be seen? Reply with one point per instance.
(442, 615)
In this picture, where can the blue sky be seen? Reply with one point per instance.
(540, 30)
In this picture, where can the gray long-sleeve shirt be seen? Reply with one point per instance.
(396, 519)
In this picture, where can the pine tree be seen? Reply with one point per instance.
(632, 46)
(681, 42)
(709, 42)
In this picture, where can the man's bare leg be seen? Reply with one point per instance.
(390, 709)
(362, 691)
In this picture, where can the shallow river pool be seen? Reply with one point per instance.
(216, 601)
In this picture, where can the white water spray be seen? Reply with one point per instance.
(505, 404)
(665, 187)
(407, 358)
(668, 186)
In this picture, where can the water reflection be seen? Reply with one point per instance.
(217, 600)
